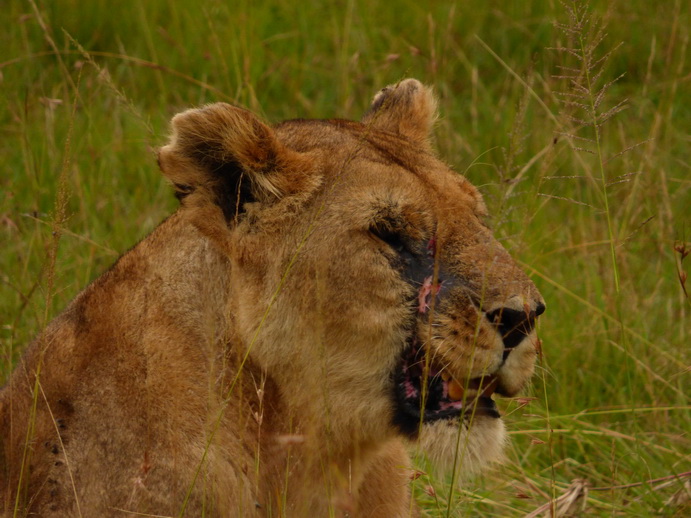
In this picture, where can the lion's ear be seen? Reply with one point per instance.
(226, 154)
(407, 108)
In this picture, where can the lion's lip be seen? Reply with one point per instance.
(425, 392)
(483, 386)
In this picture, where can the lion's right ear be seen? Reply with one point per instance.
(226, 155)
(407, 108)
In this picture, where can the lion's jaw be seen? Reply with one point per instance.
(463, 448)
(471, 435)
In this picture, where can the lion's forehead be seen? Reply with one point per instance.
(419, 192)
(347, 145)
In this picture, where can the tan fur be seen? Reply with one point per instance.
(239, 360)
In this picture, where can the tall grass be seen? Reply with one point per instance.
(602, 225)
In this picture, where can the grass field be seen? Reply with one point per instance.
(592, 193)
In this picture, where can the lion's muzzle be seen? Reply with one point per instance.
(515, 325)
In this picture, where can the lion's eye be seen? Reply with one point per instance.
(391, 237)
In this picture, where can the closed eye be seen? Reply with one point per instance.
(391, 237)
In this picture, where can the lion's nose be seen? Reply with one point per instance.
(514, 325)
(540, 309)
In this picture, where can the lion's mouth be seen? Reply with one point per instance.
(425, 392)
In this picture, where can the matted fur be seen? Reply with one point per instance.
(240, 360)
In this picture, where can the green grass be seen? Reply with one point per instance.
(611, 401)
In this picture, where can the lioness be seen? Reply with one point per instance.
(327, 291)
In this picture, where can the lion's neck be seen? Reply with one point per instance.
(194, 292)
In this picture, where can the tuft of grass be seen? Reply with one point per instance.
(88, 89)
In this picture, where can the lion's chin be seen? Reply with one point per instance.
(447, 446)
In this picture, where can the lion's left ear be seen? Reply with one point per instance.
(226, 156)
(407, 108)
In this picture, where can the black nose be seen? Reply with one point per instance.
(540, 309)
(514, 325)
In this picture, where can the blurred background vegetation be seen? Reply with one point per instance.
(597, 210)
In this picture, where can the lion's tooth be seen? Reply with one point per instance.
(491, 387)
(455, 390)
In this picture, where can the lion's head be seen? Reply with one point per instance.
(364, 279)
